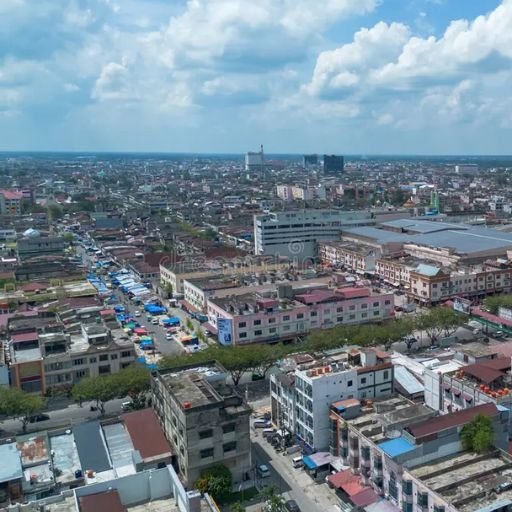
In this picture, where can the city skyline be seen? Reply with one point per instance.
(376, 77)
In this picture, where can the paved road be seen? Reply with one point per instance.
(66, 416)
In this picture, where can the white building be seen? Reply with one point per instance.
(255, 161)
(303, 391)
(295, 233)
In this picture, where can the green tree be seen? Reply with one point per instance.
(54, 212)
(440, 320)
(273, 502)
(237, 507)
(492, 304)
(478, 435)
(68, 237)
(216, 481)
(18, 404)
(96, 389)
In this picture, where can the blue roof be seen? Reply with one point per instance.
(396, 447)
(10, 468)
(427, 270)
(91, 446)
(309, 462)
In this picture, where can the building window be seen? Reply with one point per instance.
(92, 360)
(352, 308)
(229, 447)
(113, 356)
(257, 322)
(80, 373)
(205, 454)
(387, 302)
(126, 353)
(313, 313)
(364, 306)
(364, 315)
(286, 318)
(339, 319)
(349, 383)
(242, 335)
(272, 330)
(103, 370)
(257, 333)
(363, 380)
(104, 357)
(241, 325)
(300, 316)
(229, 427)
(271, 320)
(386, 374)
(375, 304)
(205, 434)
(339, 310)
(78, 362)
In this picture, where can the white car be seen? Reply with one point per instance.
(137, 313)
(168, 336)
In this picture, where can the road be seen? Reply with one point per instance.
(66, 416)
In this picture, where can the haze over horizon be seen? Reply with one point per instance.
(376, 77)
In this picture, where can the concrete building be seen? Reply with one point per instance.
(255, 161)
(397, 450)
(10, 202)
(205, 420)
(304, 388)
(36, 245)
(58, 352)
(253, 318)
(308, 160)
(333, 165)
(294, 234)
(357, 257)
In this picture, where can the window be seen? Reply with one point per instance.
(364, 306)
(205, 434)
(375, 304)
(386, 374)
(78, 362)
(339, 310)
(313, 313)
(286, 318)
(80, 373)
(352, 308)
(286, 327)
(126, 353)
(205, 454)
(363, 380)
(104, 369)
(113, 356)
(257, 322)
(229, 447)
(272, 330)
(242, 335)
(339, 319)
(271, 320)
(104, 357)
(257, 333)
(387, 302)
(241, 325)
(364, 315)
(300, 316)
(229, 427)
(349, 383)
(352, 317)
(92, 360)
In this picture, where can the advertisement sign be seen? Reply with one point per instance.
(462, 305)
(224, 331)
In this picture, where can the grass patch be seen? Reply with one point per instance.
(241, 496)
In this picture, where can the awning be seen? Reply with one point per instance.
(446, 387)
(456, 392)
(189, 307)
(467, 397)
(308, 462)
(364, 498)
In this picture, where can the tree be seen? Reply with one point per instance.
(478, 435)
(237, 507)
(96, 389)
(216, 481)
(438, 321)
(68, 237)
(18, 404)
(273, 502)
(54, 212)
(493, 304)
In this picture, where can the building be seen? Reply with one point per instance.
(308, 160)
(304, 388)
(59, 351)
(11, 202)
(253, 318)
(205, 420)
(357, 257)
(255, 161)
(398, 450)
(333, 165)
(33, 244)
(285, 192)
(295, 234)
(301, 193)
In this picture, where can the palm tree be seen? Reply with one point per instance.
(273, 502)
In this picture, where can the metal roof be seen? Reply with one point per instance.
(405, 378)
(91, 446)
(396, 447)
(10, 468)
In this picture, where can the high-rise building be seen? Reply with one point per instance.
(309, 160)
(295, 234)
(255, 161)
(333, 165)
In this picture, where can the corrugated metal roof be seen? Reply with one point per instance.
(91, 446)
(396, 447)
(407, 380)
(427, 270)
(10, 468)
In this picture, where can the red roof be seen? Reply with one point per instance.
(146, 434)
(439, 423)
(26, 336)
(32, 287)
(108, 501)
(489, 316)
(318, 296)
(354, 293)
(107, 312)
(12, 194)
(488, 371)
(364, 498)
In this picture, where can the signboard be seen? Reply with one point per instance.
(224, 331)
(462, 305)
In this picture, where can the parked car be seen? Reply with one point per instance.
(291, 506)
(137, 313)
(168, 336)
(263, 471)
(39, 417)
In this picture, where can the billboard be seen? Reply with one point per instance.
(462, 305)
(224, 331)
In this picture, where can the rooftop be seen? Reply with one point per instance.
(91, 446)
(10, 468)
(33, 448)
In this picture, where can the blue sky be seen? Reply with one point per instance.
(344, 76)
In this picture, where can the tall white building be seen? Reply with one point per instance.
(255, 161)
(294, 234)
(303, 390)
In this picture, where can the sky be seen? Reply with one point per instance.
(224, 76)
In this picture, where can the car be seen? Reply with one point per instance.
(291, 506)
(263, 471)
(168, 336)
(126, 406)
(137, 312)
(499, 334)
(39, 417)
(154, 321)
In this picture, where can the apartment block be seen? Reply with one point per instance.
(304, 388)
(205, 420)
(253, 318)
(59, 351)
(352, 256)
